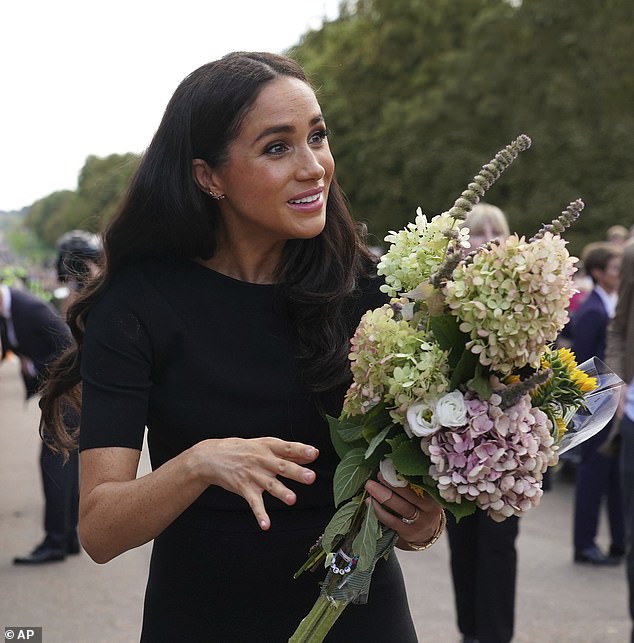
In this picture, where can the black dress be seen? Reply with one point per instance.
(193, 354)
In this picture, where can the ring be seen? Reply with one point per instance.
(413, 519)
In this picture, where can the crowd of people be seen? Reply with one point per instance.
(217, 316)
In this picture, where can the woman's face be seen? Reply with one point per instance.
(486, 234)
(279, 168)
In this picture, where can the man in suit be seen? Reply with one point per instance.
(36, 333)
(32, 330)
(598, 474)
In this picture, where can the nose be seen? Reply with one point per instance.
(310, 166)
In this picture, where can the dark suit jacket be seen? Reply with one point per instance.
(588, 328)
(40, 332)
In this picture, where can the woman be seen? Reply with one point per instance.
(234, 278)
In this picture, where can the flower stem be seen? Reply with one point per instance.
(317, 623)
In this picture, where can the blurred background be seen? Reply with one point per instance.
(419, 94)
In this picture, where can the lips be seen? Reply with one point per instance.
(311, 196)
(306, 199)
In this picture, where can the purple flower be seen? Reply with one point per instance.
(496, 460)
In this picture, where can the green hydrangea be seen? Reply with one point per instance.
(395, 362)
(512, 299)
(417, 251)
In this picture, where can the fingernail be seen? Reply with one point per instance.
(308, 475)
(311, 452)
(381, 493)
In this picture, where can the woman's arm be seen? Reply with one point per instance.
(119, 511)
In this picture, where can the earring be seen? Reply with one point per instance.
(215, 195)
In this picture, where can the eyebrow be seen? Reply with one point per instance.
(286, 129)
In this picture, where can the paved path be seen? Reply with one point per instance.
(78, 601)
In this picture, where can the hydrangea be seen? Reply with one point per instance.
(393, 362)
(497, 459)
(417, 251)
(512, 299)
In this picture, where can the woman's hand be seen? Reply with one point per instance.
(414, 518)
(249, 467)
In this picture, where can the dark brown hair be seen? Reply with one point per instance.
(164, 214)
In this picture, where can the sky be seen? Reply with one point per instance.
(79, 77)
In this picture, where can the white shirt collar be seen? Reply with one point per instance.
(6, 313)
(609, 300)
(6, 301)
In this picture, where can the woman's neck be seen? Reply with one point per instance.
(249, 268)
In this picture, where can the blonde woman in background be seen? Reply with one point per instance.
(483, 557)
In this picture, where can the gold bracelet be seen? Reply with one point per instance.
(435, 536)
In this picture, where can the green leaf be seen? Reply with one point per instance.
(464, 369)
(341, 446)
(449, 336)
(339, 524)
(377, 440)
(480, 384)
(376, 418)
(445, 329)
(364, 544)
(460, 510)
(350, 475)
(409, 459)
(397, 440)
(351, 430)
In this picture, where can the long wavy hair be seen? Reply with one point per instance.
(165, 214)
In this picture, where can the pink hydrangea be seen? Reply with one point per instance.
(497, 459)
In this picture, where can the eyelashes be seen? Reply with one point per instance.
(279, 147)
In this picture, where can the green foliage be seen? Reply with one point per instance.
(365, 542)
(339, 524)
(18, 276)
(417, 92)
(350, 475)
(101, 185)
(23, 242)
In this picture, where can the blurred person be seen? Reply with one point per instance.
(483, 555)
(597, 473)
(486, 222)
(234, 278)
(617, 234)
(32, 330)
(78, 257)
(619, 356)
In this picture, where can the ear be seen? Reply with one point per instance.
(204, 176)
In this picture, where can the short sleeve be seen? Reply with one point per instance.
(116, 368)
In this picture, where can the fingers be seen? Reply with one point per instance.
(293, 451)
(403, 510)
(284, 459)
(388, 499)
(257, 507)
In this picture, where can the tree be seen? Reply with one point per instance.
(101, 186)
(420, 93)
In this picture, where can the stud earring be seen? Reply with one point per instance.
(215, 195)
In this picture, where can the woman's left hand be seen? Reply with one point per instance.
(414, 518)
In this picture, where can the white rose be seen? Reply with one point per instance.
(421, 419)
(389, 473)
(451, 410)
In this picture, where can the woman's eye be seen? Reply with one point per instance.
(276, 148)
(320, 136)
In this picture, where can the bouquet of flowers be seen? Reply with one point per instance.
(458, 390)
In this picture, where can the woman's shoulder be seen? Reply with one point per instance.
(135, 287)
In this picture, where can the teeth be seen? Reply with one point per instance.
(306, 199)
